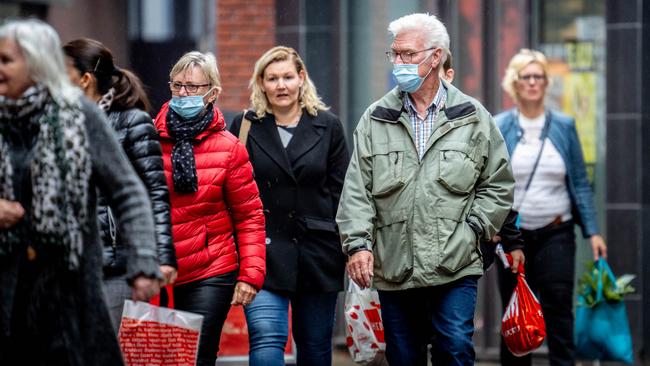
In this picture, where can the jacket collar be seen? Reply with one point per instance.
(458, 110)
(306, 136)
(391, 106)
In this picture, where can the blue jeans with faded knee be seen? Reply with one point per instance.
(441, 315)
(312, 323)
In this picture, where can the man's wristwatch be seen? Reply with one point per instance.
(357, 249)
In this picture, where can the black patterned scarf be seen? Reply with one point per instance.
(106, 100)
(183, 132)
(60, 172)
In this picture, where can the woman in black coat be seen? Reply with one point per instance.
(120, 94)
(299, 157)
(56, 150)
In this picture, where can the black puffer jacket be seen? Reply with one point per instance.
(136, 133)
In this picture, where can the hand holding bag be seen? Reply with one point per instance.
(364, 329)
(522, 325)
(602, 331)
(151, 335)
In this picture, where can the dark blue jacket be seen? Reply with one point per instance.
(562, 133)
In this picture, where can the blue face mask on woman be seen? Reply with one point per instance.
(407, 77)
(188, 106)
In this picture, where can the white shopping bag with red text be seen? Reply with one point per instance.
(364, 330)
(151, 335)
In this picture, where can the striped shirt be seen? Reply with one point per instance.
(423, 127)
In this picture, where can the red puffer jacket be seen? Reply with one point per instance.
(226, 205)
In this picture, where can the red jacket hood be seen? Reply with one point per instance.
(218, 123)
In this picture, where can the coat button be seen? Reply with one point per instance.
(292, 214)
(294, 240)
(266, 211)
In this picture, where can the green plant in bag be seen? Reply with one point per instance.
(612, 291)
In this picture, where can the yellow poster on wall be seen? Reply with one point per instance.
(579, 101)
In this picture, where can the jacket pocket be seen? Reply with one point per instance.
(458, 170)
(393, 251)
(457, 240)
(387, 167)
(315, 223)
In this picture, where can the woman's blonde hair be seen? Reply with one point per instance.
(519, 61)
(308, 97)
(206, 61)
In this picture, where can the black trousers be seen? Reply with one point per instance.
(211, 298)
(550, 268)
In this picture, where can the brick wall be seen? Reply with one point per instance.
(245, 30)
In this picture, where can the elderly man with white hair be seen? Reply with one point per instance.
(428, 180)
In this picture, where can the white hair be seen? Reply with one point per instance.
(41, 47)
(435, 33)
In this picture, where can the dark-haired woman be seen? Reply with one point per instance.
(120, 94)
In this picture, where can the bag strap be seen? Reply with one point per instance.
(245, 127)
(545, 129)
(165, 298)
(602, 266)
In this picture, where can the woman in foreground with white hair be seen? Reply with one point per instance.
(56, 149)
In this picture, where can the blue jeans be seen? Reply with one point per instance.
(440, 315)
(268, 327)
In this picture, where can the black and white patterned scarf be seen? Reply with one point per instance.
(60, 172)
(106, 100)
(183, 132)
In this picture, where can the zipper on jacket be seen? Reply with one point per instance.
(112, 232)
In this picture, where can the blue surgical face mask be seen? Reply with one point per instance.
(407, 77)
(188, 106)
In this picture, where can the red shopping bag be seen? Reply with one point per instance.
(522, 325)
(151, 335)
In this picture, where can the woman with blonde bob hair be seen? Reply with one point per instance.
(299, 155)
(216, 212)
(517, 63)
(552, 194)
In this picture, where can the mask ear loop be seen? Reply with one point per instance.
(208, 92)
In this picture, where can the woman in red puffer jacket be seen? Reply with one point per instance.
(217, 219)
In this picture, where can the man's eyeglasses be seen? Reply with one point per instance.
(536, 77)
(407, 57)
(176, 86)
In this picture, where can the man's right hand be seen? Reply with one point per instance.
(10, 213)
(360, 268)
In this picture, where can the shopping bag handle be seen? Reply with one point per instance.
(602, 266)
(169, 292)
(507, 260)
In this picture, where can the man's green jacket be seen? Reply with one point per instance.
(423, 219)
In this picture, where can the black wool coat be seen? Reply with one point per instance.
(300, 187)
